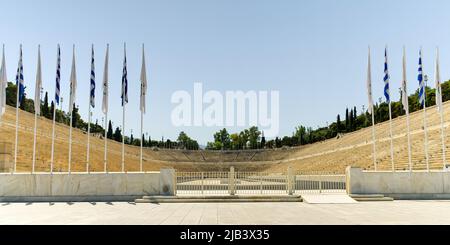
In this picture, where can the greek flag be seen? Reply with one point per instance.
(438, 83)
(19, 78)
(58, 75)
(421, 82)
(143, 82)
(105, 83)
(404, 89)
(3, 83)
(37, 91)
(369, 85)
(73, 83)
(92, 100)
(386, 78)
(124, 79)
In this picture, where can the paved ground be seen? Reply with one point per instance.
(397, 212)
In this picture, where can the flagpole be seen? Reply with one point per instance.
(387, 94)
(123, 109)
(34, 142)
(123, 133)
(70, 141)
(106, 140)
(71, 106)
(369, 93)
(425, 132)
(373, 138)
(440, 107)
(89, 137)
(443, 138)
(53, 139)
(392, 140)
(424, 86)
(17, 111)
(105, 105)
(405, 103)
(409, 140)
(142, 139)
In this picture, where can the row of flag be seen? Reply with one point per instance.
(73, 88)
(73, 81)
(422, 98)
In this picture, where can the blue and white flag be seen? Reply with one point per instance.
(58, 75)
(92, 100)
(386, 78)
(3, 83)
(105, 83)
(19, 78)
(124, 95)
(143, 82)
(421, 82)
(37, 90)
(73, 83)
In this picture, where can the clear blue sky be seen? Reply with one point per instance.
(313, 52)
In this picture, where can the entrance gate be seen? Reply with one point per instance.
(257, 183)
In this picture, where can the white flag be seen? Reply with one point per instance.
(73, 83)
(37, 92)
(404, 88)
(3, 84)
(143, 82)
(438, 83)
(105, 83)
(369, 84)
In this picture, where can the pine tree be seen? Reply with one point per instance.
(346, 120)
(109, 135)
(338, 123)
(44, 108)
(52, 110)
(118, 135)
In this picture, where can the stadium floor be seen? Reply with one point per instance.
(396, 212)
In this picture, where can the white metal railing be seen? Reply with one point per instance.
(257, 183)
(319, 182)
(202, 183)
(260, 183)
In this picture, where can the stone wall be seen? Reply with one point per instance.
(78, 186)
(399, 185)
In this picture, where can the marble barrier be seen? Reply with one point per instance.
(399, 184)
(78, 186)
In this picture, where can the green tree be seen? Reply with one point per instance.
(117, 135)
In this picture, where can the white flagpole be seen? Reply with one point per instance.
(373, 138)
(369, 91)
(56, 101)
(123, 134)
(142, 99)
(36, 105)
(3, 83)
(71, 105)
(106, 142)
(53, 139)
(440, 107)
(92, 78)
(123, 111)
(105, 105)
(70, 142)
(425, 79)
(17, 109)
(405, 103)
(390, 114)
(88, 137)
